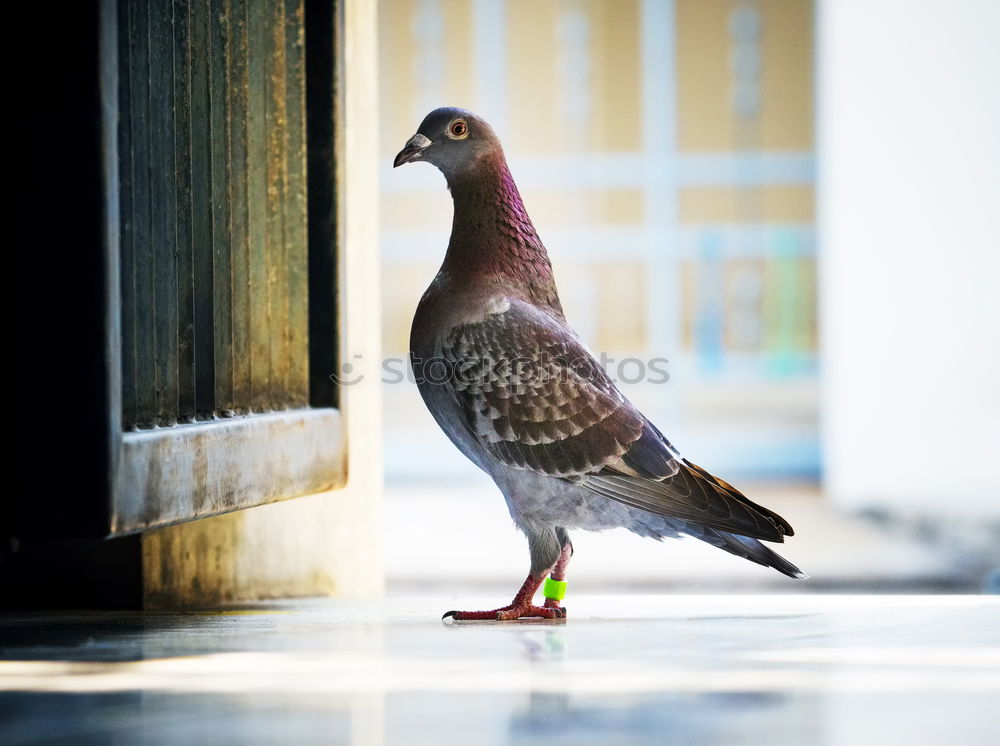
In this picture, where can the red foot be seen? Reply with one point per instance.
(551, 603)
(508, 613)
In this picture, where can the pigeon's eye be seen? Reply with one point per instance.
(458, 129)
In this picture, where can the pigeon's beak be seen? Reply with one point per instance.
(412, 151)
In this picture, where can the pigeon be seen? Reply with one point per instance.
(517, 391)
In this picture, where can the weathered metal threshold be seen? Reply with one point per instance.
(169, 475)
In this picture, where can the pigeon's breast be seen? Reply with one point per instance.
(447, 304)
(441, 309)
(540, 499)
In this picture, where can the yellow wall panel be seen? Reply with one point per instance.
(621, 307)
(621, 206)
(787, 67)
(397, 73)
(399, 66)
(531, 76)
(707, 120)
(537, 47)
(550, 208)
(458, 54)
(616, 78)
(775, 203)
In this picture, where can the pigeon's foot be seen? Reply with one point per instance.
(520, 608)
(509, 613)
(551, 603)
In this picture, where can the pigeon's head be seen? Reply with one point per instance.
(452, 139)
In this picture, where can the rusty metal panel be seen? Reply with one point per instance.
(182, 473)
(219, 71)
(184, 220)
(202, 221)
(152, 238)
(217, 258)
(162, 236)
(296, 237)
(127, 97)
(258, 291)
(276, 182)
(238, 87)
(215, 266)
(135, 148)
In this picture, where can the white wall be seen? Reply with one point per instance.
(909, 209)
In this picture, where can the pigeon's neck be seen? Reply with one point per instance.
(492, 239)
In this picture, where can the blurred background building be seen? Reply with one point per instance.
(674, 155)
(666, 154)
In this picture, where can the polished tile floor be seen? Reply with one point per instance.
(663, 669)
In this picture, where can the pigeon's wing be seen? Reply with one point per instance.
(694, 495)
(536, 399)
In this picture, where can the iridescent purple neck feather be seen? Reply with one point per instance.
(492, 238)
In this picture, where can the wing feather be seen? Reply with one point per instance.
(536, 399)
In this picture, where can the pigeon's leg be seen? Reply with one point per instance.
(546, 551)
(559, 569)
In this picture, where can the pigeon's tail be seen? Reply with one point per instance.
(751, 549)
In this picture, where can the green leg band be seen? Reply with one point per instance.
(554, 589)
